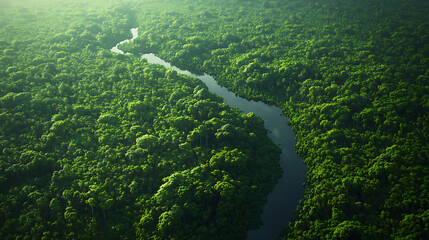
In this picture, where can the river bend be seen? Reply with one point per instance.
(284, 198)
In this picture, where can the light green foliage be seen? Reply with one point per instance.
(352, 76)
(96, 145)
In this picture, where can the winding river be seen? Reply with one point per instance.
(283, 200)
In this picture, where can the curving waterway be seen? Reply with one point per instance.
(283, 199)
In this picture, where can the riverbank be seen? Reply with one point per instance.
(283, 200)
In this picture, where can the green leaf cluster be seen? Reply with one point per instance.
(352, 77)
(96, 145)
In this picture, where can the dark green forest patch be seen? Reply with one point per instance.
(99, 145)
(94, 143)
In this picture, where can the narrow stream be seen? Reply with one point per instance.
(284, 198)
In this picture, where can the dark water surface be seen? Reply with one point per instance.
(283, 200)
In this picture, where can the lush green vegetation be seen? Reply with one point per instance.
(98, 144)
(354, 78)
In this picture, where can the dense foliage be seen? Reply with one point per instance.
(354, 78)
(96, 145)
